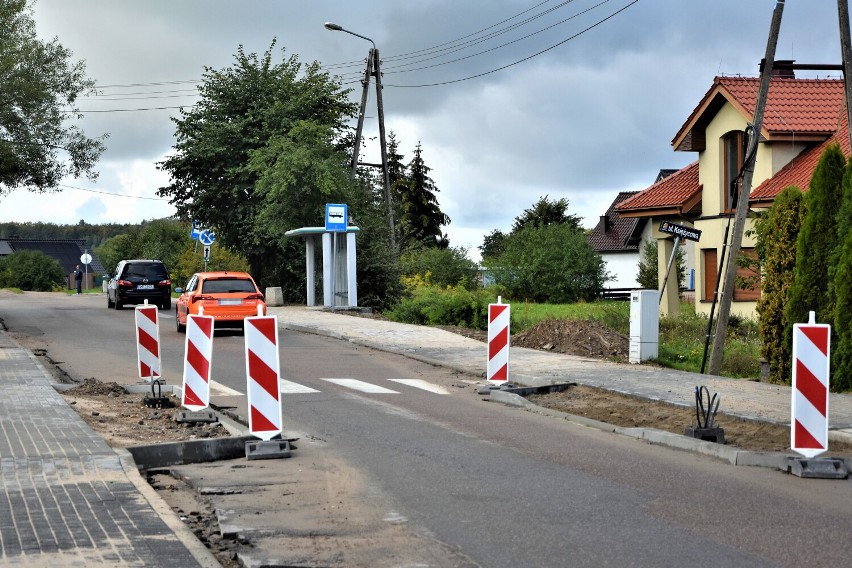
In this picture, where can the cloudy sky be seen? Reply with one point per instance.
(592, 114)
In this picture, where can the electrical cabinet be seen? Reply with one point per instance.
(644, 325)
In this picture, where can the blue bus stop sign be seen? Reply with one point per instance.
(336, 217)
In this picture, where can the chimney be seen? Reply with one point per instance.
(605, 222)
(783, 69)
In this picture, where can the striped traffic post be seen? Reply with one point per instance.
(262, 372)
(148, 341)
(498, 343)
(197, 360)
(811, 356)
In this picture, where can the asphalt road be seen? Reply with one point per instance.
(501, 486)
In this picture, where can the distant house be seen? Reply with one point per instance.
(802, 117)
(66, 251)
(618, 241)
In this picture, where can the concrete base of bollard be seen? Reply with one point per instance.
(267, 450)
(206, 416)
(274, 297)
(817, 468)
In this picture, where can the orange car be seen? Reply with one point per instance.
(227, 296)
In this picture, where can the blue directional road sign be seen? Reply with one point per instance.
(336, 216)
(195, 231)
(206, 237)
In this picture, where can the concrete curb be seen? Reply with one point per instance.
(731, 455)
(200, 552)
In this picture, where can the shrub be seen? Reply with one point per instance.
(427, 304)
(30, 270)
(444, 266)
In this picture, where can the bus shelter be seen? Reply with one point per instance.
(339, 272)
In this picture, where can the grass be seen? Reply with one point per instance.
(682, 337)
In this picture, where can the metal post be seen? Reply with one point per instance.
(385, 176)
(669, 268)
(742, 203)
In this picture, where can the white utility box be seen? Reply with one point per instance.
(644, 325)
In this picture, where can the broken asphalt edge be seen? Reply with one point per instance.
(733, 456)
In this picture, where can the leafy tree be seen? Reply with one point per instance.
(422, 217)
(277, 110)
(30, 270)
(120, 247)
(545, 212)
(492, 244)
(440, 266)
(816, 241)
(191, 260)
(776, 234)
(549, 263)
(648, 276)
(39, 87)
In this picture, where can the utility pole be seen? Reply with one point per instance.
(366, 83)
(373, 61)
(742, 201)
(846, 52)
(384, 147)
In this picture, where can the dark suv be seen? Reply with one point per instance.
(135, 281)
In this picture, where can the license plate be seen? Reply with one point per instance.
(230, 302)
(144, 286)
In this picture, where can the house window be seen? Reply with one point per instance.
(733, 150)
(711, 269)
(747, 287)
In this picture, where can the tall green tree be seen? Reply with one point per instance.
(546, 212)
(648, 276)
(549, 263)
(817, 239)
(493, 244)
(272, 108)
(422, 218)
(776, 234)
(841, 288)
(39, 88)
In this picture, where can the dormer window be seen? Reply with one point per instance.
(733, 144)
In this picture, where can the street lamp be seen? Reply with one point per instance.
(373, 68)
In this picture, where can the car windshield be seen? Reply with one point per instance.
(145, 270)
(227, 285)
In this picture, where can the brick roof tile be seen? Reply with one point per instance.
(675, 194)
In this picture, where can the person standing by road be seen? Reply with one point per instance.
(78, 277)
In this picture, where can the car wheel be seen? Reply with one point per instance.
(179, 326)
(118, 304)
(109, 302)
(166, 305)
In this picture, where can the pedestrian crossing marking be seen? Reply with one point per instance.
(222, 390)
(421, 384)
(361, 386)
(289, 387)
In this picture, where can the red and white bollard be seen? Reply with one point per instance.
(197, 361)
(148, 341)
(262, 372)
(498, 343)
(811, 356)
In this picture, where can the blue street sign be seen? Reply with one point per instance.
(336, 217)
(206, 237)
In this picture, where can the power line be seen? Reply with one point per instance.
(596, 24)
(112, 194)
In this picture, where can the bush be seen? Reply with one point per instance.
(440, 266)
(428, 304)
(30, 270)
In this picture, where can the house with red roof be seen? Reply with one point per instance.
(802, 117)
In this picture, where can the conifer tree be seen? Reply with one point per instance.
(422, 217)
(841, 287)
(777, 232)
(815, 244)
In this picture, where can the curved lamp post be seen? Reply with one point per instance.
(373, 69)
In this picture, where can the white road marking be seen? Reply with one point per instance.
(222, 390)
(421, 384)
(361, 386)
(289, 387)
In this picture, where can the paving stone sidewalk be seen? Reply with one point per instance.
(66, 497)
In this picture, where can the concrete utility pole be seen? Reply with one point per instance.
(374, 69)
(846, 52)
(742, 201)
